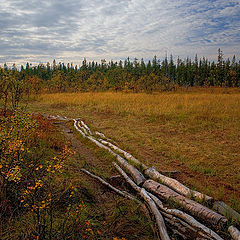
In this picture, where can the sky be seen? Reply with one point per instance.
(39, 31)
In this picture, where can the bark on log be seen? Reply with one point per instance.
(157, 215)
(128, 179)
(82, 128)
(137, 176)
(100, 134)
(101, 145)
(127, 155)
(235, 233)
(103, 136)
(227, 211)
(143, 193)
(86, 127)
(194, 208)
(177, 186)
(179, 227)
(121, 193)
(77, 128)
(201, 230)
(191, 229)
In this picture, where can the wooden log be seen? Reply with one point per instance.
(128, 179)
(76, 127)
(86, 127)
(201, 229)
(82, 128)
(227, 211)
(127, 155)
(194, 208)
(179, 227)
(101, 145)
(235, 233)
(177, 186)
(137, 176)
(100, 134)
(103, 136)
(143, 193)
(157, 215)
(119, 192)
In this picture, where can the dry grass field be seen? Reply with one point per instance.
(196, 131)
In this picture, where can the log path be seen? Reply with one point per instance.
(194, 219)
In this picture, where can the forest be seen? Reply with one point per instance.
(133, 76)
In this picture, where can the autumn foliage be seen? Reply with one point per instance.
(32, 160)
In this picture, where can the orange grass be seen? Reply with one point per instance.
(196, 132)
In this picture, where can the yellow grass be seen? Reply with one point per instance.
(195, 132)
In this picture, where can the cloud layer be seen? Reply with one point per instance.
(69, 30)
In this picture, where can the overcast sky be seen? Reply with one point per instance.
(69, 30)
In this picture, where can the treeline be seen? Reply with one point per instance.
(136, 76)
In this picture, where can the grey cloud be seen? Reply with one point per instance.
(116, 28)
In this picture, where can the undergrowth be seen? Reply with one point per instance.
(35, 201)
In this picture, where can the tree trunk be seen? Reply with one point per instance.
(194, 208)
(137, 176)
(177, 186)
(227, 211)
(157, 215)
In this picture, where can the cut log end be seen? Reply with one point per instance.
(235, 233)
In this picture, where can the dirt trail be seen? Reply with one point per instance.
(119, 217)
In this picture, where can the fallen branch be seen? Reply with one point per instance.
(103, 136)
(180, 227)
(205, 231)
(157, 215)
(183, 229)
(177, 186)
(121, 193)
(142, 192)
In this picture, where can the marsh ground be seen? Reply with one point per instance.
(196, 132)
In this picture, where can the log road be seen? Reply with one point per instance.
(195, 220)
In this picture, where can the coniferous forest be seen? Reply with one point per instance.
(135, 76)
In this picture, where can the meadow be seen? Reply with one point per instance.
(194, 131)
